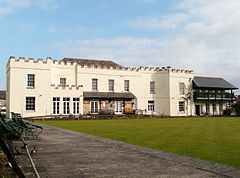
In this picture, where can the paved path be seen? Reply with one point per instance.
(63, 153)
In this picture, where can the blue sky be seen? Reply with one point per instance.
(201, 35)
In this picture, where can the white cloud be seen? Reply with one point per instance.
(74, 29)
(207, 38)
(160, 22)
(5, 10)
(47, 4)
(10, 6)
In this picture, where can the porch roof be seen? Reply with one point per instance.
(210, 82)
(108, 95)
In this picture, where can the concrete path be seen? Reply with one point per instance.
(63, 153)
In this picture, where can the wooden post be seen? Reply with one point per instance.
(10, 157)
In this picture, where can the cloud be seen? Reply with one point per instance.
(10, 6)
(5, 10)
(157, 22)
(47, 4)
(207, 36)
(74, 29)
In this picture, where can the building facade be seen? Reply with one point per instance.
(80, 86)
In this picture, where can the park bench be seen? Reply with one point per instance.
(27, 128)
(14, 130)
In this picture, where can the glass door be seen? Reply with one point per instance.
(118, 107)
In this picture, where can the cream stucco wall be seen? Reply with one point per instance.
(79, 79)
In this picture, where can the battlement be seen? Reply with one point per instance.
(97, 65)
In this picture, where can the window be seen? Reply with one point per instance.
(56, 104)
(63, 81)
(94, 107)
(150, 105)
(126, 85)
(181, 106)
(30, 103)
(207, 109)
(66, 105)
(95, 84)
(75, 105)
(111, 85)
(214, 107)
(181, 88)
(31, 80)
(152, 87)
(220, 108)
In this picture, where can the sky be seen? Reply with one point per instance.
(202, 35)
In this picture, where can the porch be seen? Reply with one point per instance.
(108, 103)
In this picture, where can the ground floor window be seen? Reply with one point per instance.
(207, 109)
(66, 105)
(150, 105)
(220, 108)
(30, 103)
(56, 104)
(75, 105)
(181, 106)
(214, 107)
(94, 106)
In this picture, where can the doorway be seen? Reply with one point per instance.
(197, 110)
(118, 107)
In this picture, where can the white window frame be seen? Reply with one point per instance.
(111, 85)
(76, 102)
(126, 85)
(151, 107)
(94, 106)
(94, 84)
(152, 87)
(30, 103)
(66, 105)
(56, 105)
(30, 80)
(181, 88)
(181, 106)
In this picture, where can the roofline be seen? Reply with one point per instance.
(207, 77)
(105, 60)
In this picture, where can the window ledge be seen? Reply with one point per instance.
(30, 87)
(30, 111)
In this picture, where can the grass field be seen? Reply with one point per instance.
(214, 139)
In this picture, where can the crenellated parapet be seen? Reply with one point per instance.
(64, 63)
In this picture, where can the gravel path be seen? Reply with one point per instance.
(63, 153)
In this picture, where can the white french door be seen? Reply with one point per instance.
(118, 107)
(94, 106)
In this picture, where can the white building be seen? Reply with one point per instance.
(80, 86)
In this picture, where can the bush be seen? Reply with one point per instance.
(237, 108)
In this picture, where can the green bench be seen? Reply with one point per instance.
(27, 128)
(17, 128)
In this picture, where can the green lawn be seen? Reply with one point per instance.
(214, 139)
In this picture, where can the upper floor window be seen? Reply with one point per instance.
(181, 88)
(126, 85)
(152, 87)
(31, 80)
(111, 85)
(95, 84)
(63, 81)
(30, 103)
(181, 106)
